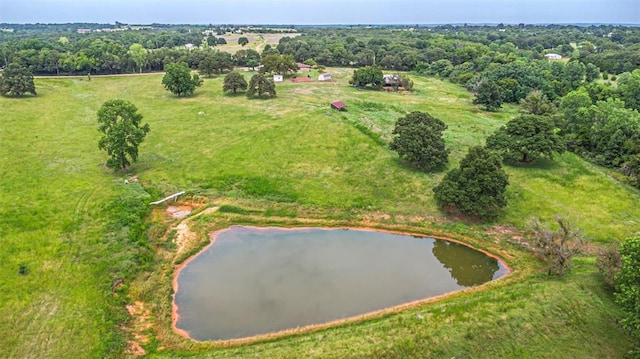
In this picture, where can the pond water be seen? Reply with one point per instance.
(253, 281)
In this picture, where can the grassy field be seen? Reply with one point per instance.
(291, 156)
(257, 41)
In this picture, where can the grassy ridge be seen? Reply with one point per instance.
(291, 154)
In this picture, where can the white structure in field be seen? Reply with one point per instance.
(324, 77)
(553, 56)
(278, 78)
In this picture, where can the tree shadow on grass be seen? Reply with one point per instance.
(540, 164)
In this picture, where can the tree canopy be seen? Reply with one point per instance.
(537, 103)
(368, 75)
(260, 86)
(475, 189)
(215, 62)
(122, 132)
(242, 41)
(16, 81)
(234, 81)
(527, 138)
(139, 55)
(278, 64)
(419, 140)
(628, 284)
(490, 95)
(178, 79)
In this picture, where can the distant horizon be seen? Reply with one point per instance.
(321, 12)
(433, 24)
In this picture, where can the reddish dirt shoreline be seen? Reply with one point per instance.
(314, 327)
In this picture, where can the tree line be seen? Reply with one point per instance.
(463, 50)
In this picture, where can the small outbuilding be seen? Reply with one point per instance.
(278, 78)
(338, 105)
(324, 77)
(553, 56)
(302, 67)
(391, 80)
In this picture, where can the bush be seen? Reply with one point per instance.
(628, 284)
(556, 248)
(609, 263)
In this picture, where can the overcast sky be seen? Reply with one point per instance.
(320, 11)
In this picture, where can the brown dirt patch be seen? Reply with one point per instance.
(185, 238)
(178, 212)
(301, 79)
(139, 323)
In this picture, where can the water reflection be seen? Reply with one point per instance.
(468, 268)
(255, 281)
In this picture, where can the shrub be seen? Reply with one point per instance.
(556, 248)
(609, 263)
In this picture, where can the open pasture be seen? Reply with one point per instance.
(295, 156)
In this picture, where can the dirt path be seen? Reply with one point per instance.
(184, 235)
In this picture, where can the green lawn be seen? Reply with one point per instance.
(295, 156)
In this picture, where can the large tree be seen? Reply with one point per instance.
(215, 62)
(630, 89)
(278, 64)
(527, 138)
(242, 41)
(178, 79)
(490, 95)
(139, 55)
(234, 81)
(16, 81)
(368, 75)
(537, 103)
(419, 140)
(260, 85)
(248, 57)
(475, 189)
(122, 132)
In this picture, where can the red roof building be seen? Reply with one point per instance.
(338, 105)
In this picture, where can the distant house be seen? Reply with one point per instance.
(278, 78)
(553, 56)
(338, 105)
(84, 31)
(303, 67)
(391, 80)
(324, 77)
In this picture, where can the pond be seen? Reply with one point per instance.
(252, 281)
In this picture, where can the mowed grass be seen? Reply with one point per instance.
(291, 151)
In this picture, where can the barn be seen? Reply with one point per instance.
(338, 105)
